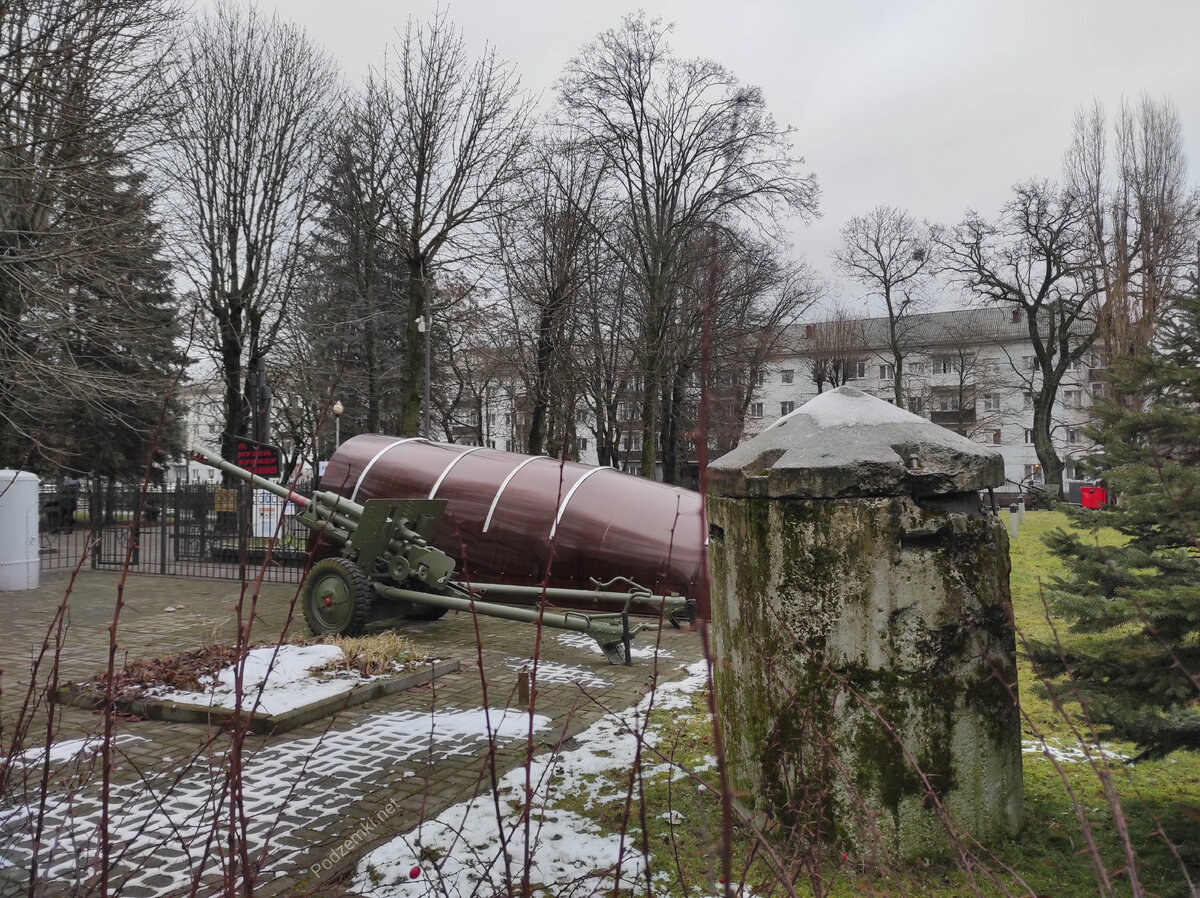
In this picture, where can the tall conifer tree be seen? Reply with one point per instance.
(1137, 670)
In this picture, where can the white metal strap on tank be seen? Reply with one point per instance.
(487, 522)
(450, 467)
(379, 455)
(571, 492)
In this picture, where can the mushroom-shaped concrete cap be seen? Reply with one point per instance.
(845, 443)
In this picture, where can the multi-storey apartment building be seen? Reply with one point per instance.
(972, 371)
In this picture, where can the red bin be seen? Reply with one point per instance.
(1092, 496)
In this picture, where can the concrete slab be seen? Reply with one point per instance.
(258, 722)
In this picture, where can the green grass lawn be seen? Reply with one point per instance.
(1077, 811)
(1156, 802)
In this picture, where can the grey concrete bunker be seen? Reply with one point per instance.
(866, 675)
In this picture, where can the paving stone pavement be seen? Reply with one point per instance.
(315, 798)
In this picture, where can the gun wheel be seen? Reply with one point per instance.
(337, 598)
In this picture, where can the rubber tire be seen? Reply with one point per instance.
(347, 587)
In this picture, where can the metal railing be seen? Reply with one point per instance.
(196, 530)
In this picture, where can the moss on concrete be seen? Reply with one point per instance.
(867, 647)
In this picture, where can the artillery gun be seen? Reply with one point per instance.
(386, 567)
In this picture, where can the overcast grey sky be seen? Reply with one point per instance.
(934, 106)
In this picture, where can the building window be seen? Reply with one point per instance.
(1016, 316)
(995, 438)
(756, 409)
(583, 445)
(916, 367)
(1072, 398)
(860, 370)
(1030, 362)
(887, 371)
(1028, 399)
(943, 365)
(760, 377)
(1072, 435)
(810, 331)
(1033, 472)
(1100, 391)
(787, 375)
(491, 419)
(786, 408)
(991, 402)
(947, 403)
(1028, 436)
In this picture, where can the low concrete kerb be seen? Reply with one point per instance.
(76, 695)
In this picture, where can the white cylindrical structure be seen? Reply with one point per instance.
(18, 530)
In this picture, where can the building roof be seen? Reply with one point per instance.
(929, 330)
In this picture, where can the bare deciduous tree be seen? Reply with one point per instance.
(1141, 217)
(548, 253)
(254, 94)
(686, 147)
(892, 255)
(461, 127)
(1032, 260)
(831, 347)
(606, 373)
(732, 313)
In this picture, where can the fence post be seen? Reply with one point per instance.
(94, 524)
(243, 525)
(162, 530)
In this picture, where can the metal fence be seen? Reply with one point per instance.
(196, 530)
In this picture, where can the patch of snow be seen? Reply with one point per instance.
(155, 827)
(70, 749)
(581, 641)
(466, 850)
(849, 407)
(285, 674)
(553, 672)
(1070, 754)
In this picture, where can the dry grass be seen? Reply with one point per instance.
(375, 654)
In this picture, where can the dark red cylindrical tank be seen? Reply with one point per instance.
(509, 516)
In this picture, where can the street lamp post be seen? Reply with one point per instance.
(338, 408)
(424, 326)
